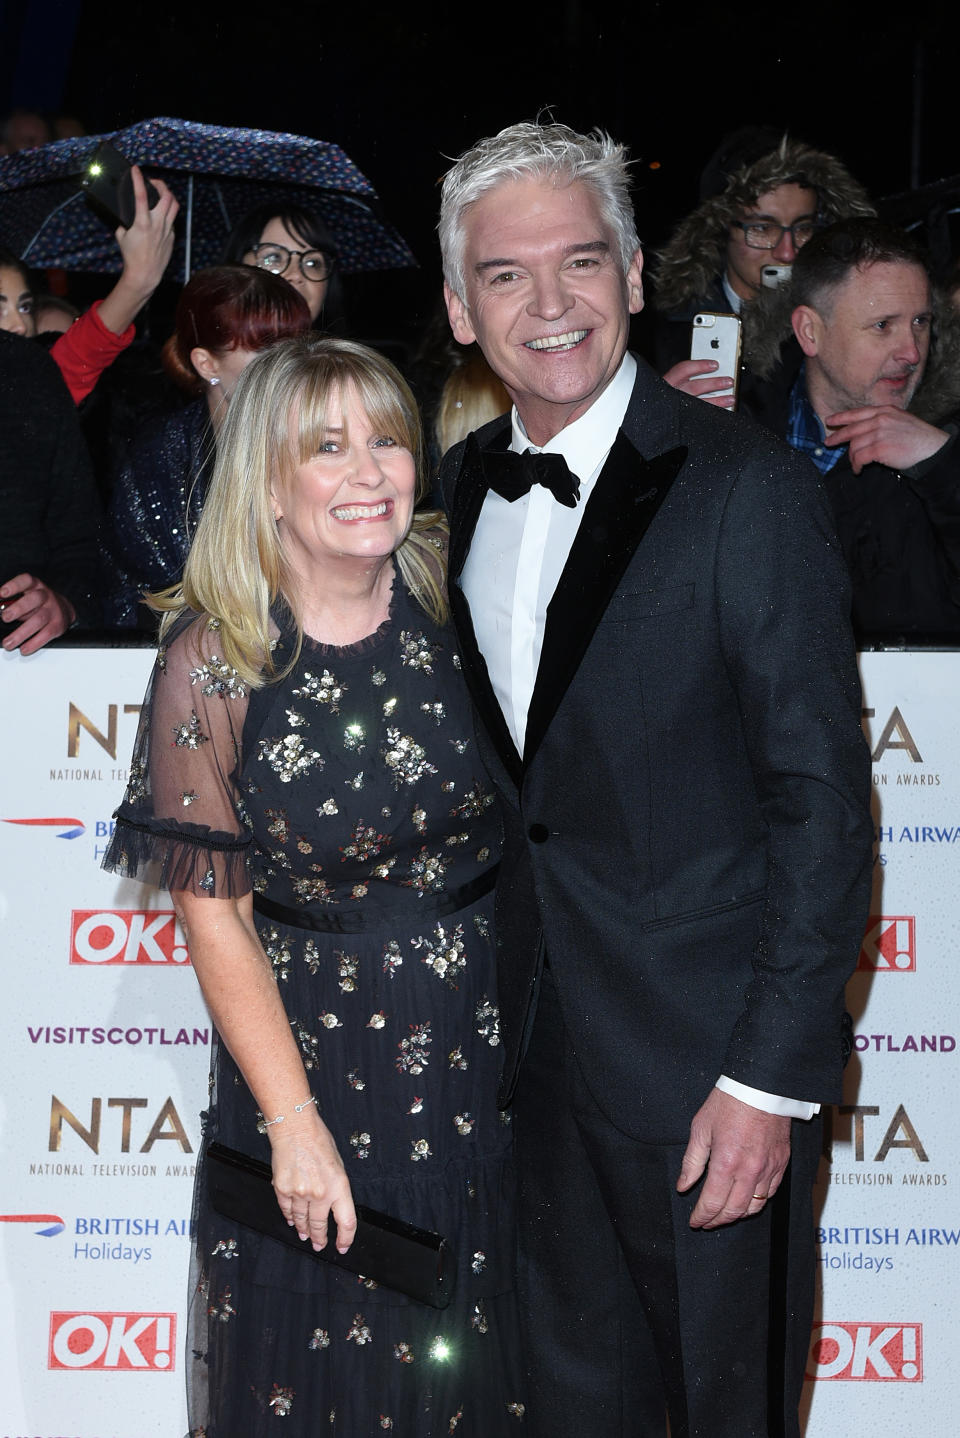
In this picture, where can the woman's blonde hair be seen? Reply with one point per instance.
(236, 569)
(471, 397)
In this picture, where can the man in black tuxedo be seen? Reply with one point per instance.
(660, 654)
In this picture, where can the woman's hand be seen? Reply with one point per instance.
(146, 248)
(311, 1183)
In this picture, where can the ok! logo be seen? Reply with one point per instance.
(126, 936)
(120, 1342)
(867, 1352)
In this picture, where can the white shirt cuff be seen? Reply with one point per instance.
(769, 1102)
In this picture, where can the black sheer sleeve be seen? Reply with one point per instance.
(180, 825)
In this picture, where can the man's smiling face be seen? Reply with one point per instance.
(545, 298)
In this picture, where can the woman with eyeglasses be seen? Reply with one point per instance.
(294, 243)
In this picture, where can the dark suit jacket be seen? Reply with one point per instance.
(688, 830)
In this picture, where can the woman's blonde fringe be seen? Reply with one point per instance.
(235, 571)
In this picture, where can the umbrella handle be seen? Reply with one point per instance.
(188, 242)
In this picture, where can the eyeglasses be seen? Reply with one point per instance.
(767, 234)
(314, 264)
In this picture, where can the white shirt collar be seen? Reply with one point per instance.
(586, 443)
(736, 303)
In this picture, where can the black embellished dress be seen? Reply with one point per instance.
(350, 799)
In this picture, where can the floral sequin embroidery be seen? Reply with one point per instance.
(414, 1050)
(444, 953)
(473, 804)
(219, 678)
(189, 735)
(488, 1022)
(325, 690)
(223, 1308)
(416, 651)
(360, 1143)
(359, 1332)
(392, 959)
(278, 952)
(281, 1400)
(319, 1338)
(426, 873)
(405, 758)
(354, 737)
(347, 970)
(137, 782)
(288, 757)
(365, 843)
(309, 891)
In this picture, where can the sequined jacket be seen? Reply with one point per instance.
(688, 833)
(156, 502)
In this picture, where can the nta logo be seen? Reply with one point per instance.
(894, 735)
(126, 936)
(867, 1352)
(116, 1341)
(889, 945)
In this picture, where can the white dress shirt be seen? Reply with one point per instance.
(517, 555)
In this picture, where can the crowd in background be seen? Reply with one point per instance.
(109, 412)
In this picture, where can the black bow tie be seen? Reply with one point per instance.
(512, 475)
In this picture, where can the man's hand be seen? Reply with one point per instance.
(45, 613)
(146, 248)
(744, 1152)
(684, 377)
(883, 434)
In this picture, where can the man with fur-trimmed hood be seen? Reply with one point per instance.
(763, 198)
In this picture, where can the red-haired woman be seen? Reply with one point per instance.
(225, 316)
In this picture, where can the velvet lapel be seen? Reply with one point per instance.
(467, 502)
(625, 498)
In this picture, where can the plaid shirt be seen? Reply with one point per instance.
(804, 430)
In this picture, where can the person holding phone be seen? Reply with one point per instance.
(94, 341)
(763, 195)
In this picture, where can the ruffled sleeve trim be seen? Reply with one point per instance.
(190, 857)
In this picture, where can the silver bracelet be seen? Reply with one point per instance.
(266, 1123)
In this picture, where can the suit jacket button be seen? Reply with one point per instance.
(539, 833)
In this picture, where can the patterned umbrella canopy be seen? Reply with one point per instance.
(216, 173)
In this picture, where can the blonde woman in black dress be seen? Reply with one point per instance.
(306, 776)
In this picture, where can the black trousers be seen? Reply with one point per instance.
(630, 1315)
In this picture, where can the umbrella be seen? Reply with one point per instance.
(217, 174)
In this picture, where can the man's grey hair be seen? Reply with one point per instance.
(529, 151)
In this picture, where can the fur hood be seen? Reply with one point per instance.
(767, 328)
(697, 249)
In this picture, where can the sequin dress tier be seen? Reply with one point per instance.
(350, 798)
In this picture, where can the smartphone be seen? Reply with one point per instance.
(773, 276)
(108, 186)
(717, 337)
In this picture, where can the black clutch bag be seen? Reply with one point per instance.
(395, 1254)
